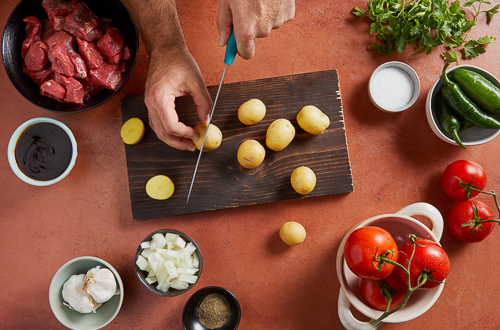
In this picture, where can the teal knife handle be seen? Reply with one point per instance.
(231, 49)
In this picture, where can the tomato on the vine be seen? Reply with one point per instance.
(429, 258)
(373, 292)
(364, 245)
(470, 173)
(473, 213)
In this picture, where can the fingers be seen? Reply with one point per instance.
(224, 22)
(177, 142)
(201, 98)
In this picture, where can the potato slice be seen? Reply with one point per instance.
(160, 187)
(132, 131)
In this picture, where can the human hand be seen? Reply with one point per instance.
(173, 74)
(251, 19)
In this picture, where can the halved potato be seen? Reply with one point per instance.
(160, 187)
(132, 131)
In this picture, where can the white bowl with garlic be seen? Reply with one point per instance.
(168, 262)
(86, 293)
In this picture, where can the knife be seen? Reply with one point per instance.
(231, 50)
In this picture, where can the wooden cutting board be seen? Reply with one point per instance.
(221, 182)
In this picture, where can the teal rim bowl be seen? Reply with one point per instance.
(73, 319)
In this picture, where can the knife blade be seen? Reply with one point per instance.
(231, 50)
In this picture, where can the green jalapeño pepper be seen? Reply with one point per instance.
(447, 120)
(479, 89)
(464, 106)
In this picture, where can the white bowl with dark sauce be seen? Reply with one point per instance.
(42, 151)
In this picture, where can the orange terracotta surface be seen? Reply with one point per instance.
(396, 160)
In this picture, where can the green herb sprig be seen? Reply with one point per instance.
(425, 24)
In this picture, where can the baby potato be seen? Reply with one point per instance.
(292, 233)
(279, 134)
(312, 120)
(214, 137)
(251, 154)
(251, 112)
(160, 187)
(303, 180)
(132, 131)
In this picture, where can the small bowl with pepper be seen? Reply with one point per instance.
(463, 106)
(210, 308)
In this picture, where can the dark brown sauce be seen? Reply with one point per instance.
(43, 151)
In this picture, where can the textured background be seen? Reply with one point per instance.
(396, 160)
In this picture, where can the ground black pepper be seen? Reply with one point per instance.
(213, 311)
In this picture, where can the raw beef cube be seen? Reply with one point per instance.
(59, 37)
(104, 24)
(55, 8)
(53, 90)
(83, 23)
(90, 54)
(39, 77)
(36, 58)
(75, 93)
(59, 22)
(62, 63)
(125, 53)
(111, 45)
(33, 33)
(90, 90)
(78, 64)
(107, 76)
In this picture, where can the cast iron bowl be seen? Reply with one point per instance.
(190, 319)
(14, 35)
(142, 274)
(471, 136)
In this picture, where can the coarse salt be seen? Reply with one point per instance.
(391, 88)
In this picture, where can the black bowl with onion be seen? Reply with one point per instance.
(15, 33)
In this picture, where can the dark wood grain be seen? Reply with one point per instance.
(221, 182)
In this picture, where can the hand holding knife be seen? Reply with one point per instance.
(231, 51)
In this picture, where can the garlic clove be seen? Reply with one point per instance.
(76, 298)
(100, 283)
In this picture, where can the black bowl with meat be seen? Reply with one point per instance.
(69, 56)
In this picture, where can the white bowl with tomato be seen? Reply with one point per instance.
(398, 226)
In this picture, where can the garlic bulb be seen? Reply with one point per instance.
(76, 298)
(100, 283)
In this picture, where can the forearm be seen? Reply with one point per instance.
(158, 24)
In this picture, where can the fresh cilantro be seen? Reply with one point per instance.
(425, 24)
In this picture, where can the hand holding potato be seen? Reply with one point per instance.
(214, 137)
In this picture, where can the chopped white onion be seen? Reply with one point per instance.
(170, 261)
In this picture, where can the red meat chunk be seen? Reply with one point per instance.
(75, 93)
(52, 89)
(59, 22)
(90, 90)
(33, 33)
(62, 62)
(126, 53)
(78, 64)
(48, 29)
(111, 45)
(106, 76)
(90, 54)
(39, 77)
(55, 8)
(59, 37)
(83, 23)
(36, 58)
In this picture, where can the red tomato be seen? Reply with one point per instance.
(363, 246)
(467, 171)
(467, 211)
(429, 258)
(372, 292)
